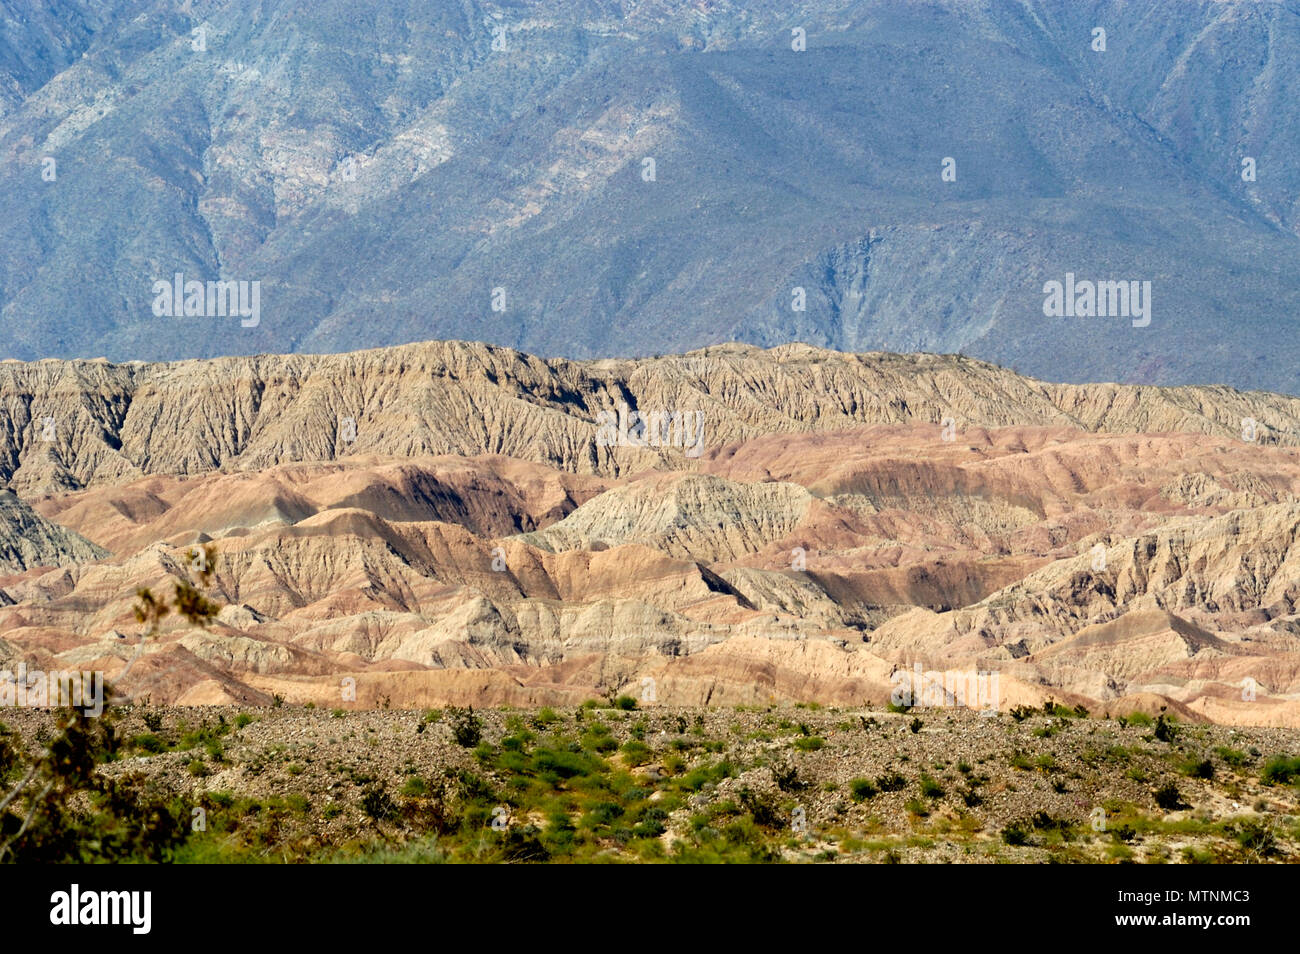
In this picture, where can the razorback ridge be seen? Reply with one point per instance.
(69, 425)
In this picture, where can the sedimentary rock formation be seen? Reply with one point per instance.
(475, 541)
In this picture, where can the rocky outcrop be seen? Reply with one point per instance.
(78, 424)
(28, 540)
(813, 560)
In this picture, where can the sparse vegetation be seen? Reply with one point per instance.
(541, 787)
(1281, 770)
(861, 789)
(466, 727)
(1169, 798)
(931, 788)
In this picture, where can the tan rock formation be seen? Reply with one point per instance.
(1117, 547)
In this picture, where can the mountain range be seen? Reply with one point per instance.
(615, 179)
(454, 523)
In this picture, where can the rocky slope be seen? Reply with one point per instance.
(390, 173)
(870, 784)
(29, 540)
(1126, 548)
(76, 424)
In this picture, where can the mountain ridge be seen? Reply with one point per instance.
(832, 528)
(76, 424)
(477, 171)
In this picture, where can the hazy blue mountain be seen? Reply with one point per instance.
(379, 169)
